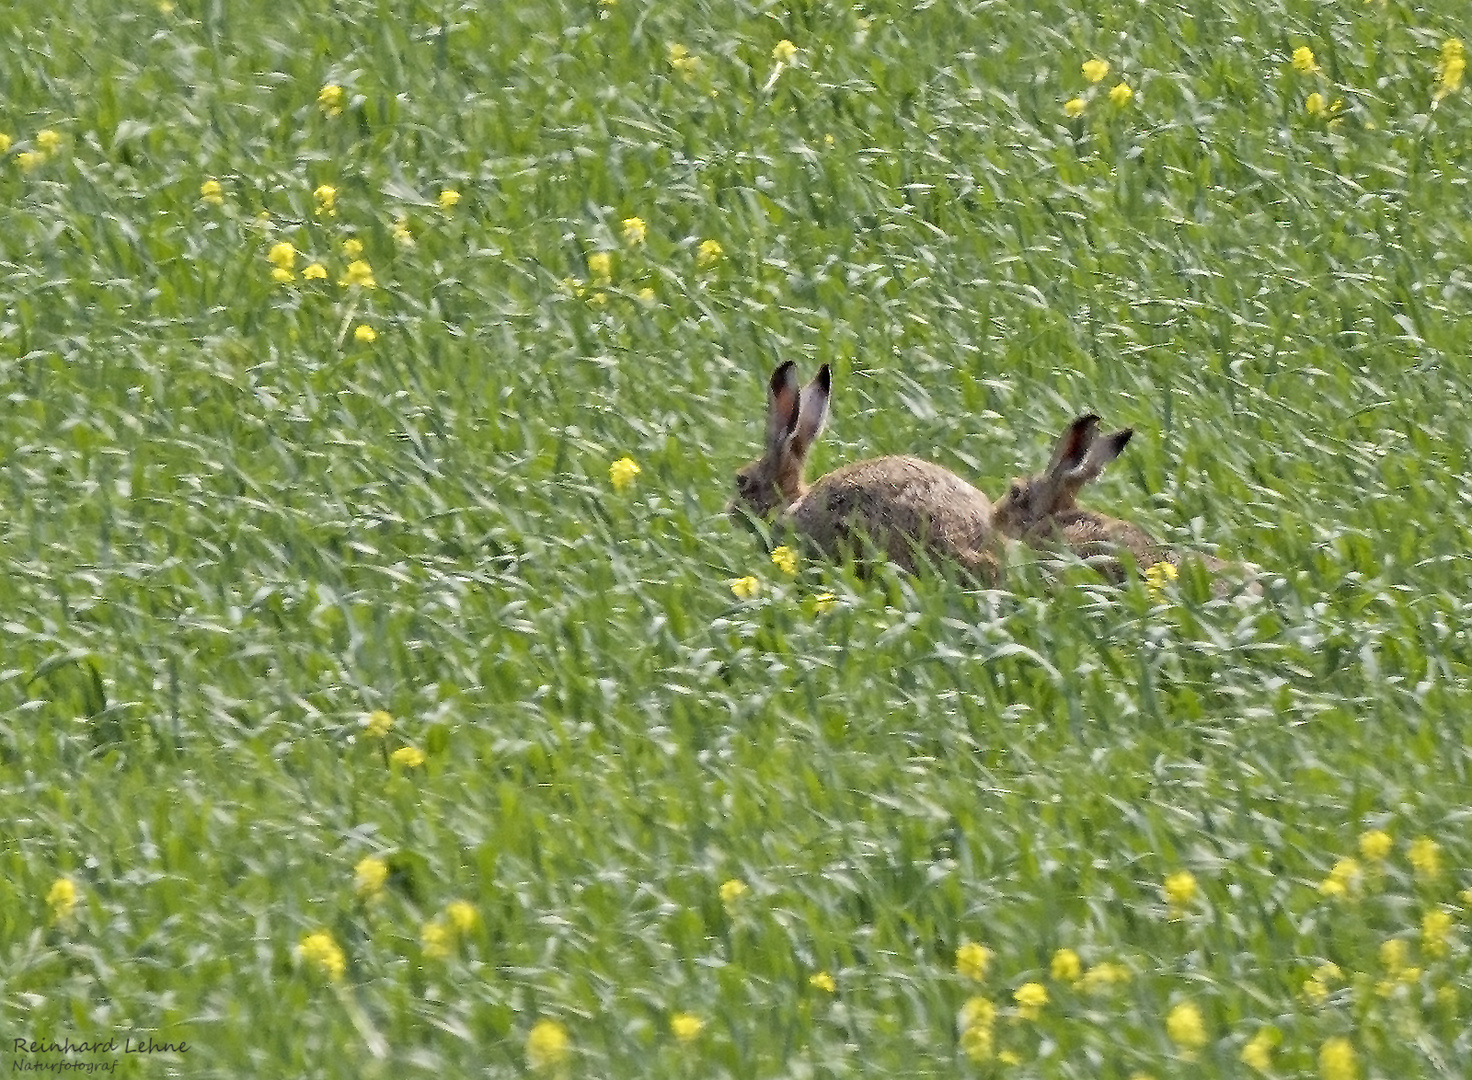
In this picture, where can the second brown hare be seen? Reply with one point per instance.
(1042, 511)
(912, 510)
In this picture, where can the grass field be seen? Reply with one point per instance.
(359, 718)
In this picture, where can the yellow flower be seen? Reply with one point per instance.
(28, 160)
(821, 980)
(1121, 96)
(315, 272)
(449, 198)
(410, 757)
(326, 196)
(211, 192)
(48, 142)
(708, 252)
(824, 603)
(1180, 887)
(785, 559)
(377, 723)
(1010, 1057)
(401, 232)
(1337, 1060)
(646, 295)
(1393, 954)
(1316, 986)
(282, 255)
(1030, 998)
(61, 898)
(1436, 927)
(1450, 70)
(746, 587)
(977, 1012)
(622, 472)
(462, 915)
(1425, 856)
(683, 62)
(1342, 879)
(1095, 70)
(1314, 104)
(279, 274)
(1158, 576)
(4, 143)
(1074, 107)
(365, 334)
(352, 247)
(1185, 1027)
(1103, 976)
(600, 267)
(634, 230)
(686, 1026)
(1258, 1051)
(978, 1042)
(331, 98)
(731, 893)
(547, 1045)
(436, 939)
(1303, 60)
(1066, 966)
(359, 273)
(369, 876)
(320, 951)
(1375, 845)
(971, 960)
(784, 51)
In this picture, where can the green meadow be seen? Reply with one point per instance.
(375, 700)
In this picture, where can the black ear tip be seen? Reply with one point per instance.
(1124, 436)
(783, 373)
(825, 378)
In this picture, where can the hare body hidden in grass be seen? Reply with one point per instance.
(1042, 511)
(912, 510)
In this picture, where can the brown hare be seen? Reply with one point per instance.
(1042, 512)
(910, 509)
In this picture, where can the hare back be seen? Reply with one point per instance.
(900, 504)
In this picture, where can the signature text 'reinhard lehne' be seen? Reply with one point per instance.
(129, 1045)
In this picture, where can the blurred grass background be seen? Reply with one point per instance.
(238, 523)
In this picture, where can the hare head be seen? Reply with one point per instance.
(1078, 458)
(795, 416)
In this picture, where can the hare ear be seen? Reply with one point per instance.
(812, 412)
(1101, 453)
(783, 398)
(1073, 444)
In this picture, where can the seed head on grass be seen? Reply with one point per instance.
(547, 1046)
(320, 951)
(622, 472)
(61, 898)
(971, 961)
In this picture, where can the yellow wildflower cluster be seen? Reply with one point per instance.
(408, 757)
(977, 1024)
(449, 199)
(686, 1026)
(1066, 966)
(731, 893)
(320, 951)
(547, 1046)
(683, 62)
(1158, 576)
(1342, 880)
(1186, 1028)
(1304, 62)
(1102, 976)
(1450, 69)
(369, 876)
(47, 143)
(331, 99)
(211, 192)
(746, 588)
(622, 472)
(1318, 986)
(377, 723)
(1257, 1052)
(634, 231)
(1094, 72)
(971, 961)
(1030, 998)
(1180, 891)
(325, 199)
(600, 268)
(708, 253)
(821, 980)
(61, 898)
(784, 559)
(1337, 1060)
